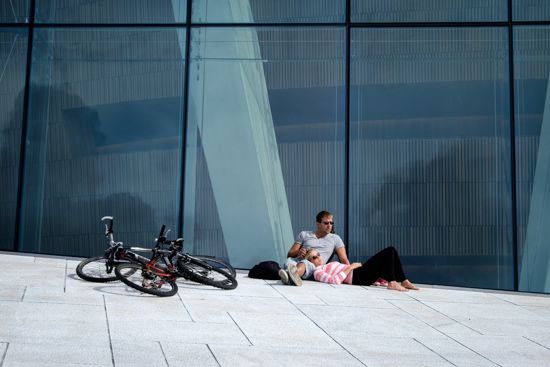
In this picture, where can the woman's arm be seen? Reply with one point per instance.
(332, 273)
(350, 268)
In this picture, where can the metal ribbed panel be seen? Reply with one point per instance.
(390, 56)
(428, 10)
(298, 11)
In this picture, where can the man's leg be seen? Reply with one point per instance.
(293, 275)
(284, 273)
(305, 269)
(294, 270)
(301, 269)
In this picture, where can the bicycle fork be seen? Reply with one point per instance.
(158, 275)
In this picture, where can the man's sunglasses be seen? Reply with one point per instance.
(327, 223)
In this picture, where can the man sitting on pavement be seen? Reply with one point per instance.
(323, 240)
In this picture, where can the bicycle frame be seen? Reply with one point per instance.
(116, 250)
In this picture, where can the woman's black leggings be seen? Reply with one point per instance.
(385, 264)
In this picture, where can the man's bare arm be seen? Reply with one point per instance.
(342, 256)
(296, 251)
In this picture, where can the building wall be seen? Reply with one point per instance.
(418, 125)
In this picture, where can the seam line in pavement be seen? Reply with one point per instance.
(108, 331)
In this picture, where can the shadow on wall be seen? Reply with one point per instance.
(69, 187)
(73, 227)
(445, 206)
(10, 142)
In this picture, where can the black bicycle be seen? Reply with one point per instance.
(154, 276)
(100, 268)
(159, 275)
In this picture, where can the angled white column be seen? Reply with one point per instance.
(233, 119)
(535, 274)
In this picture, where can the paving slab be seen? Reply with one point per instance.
(51, 317)
(392, 351)
(288, 356)
(68, 353)
(507, 350)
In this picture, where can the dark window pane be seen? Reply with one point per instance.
(430, 156)
(111, 11)
(14, 11)
(104, 137)
(13, 59)
(269, 11)
(532, 108)
(530, 10)
(407, 11)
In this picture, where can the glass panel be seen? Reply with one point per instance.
(13, 59)
(530, 10)
(269, 11)
(429, 153)
(407, 11)
(104, 137)
(279, 93)
(532, 108)
(14, 11)
(111, 11)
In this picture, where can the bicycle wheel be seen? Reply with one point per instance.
(220, 264)
(137, 277)
(95, 269)
(201, 272)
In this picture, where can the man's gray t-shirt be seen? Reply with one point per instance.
(324, 245)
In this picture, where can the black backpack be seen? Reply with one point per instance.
(265, 270)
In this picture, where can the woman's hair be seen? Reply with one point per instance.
(308, 254)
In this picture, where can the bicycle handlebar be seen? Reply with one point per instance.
(108, 229)
(162, 237)
(160, 240)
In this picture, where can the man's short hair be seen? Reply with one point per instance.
(321, 215)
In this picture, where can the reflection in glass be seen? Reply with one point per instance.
(104, 137)
(530, 10)
(265, 138)
(14, 11)
(111, 11)
(429, 152)
(532, 108)
(13, 59)
(269, 11)
(407, 11)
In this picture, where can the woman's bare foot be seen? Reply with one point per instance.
(396, 287)
(409, 285)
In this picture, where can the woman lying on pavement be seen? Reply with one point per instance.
(385, 264)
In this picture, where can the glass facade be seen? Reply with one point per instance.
(268, 11)
(420, 125)
(427, 11)
(530, 10)
(111, 11)
(532, 136)
(430, 151)
(13, 58)
(104, 136)
(266, 137)
(14, 11)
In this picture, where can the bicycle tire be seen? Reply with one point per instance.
(214, 261)
(137, 277)
(95, 269)
(200, 272)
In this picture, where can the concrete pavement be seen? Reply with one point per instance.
(50, 317)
